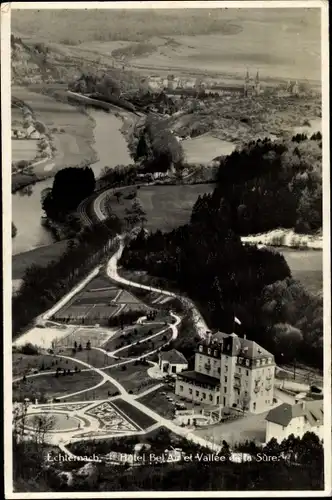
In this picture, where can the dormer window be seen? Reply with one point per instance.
(247, 362)
(209, 350)
(240, 360)
(263, 361)
(200, 348)
(270, 360)
(257, 362)
(215, 353)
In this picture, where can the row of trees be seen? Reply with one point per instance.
(43, 286)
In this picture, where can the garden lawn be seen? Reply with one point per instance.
(141, 419)
(133, 377)
(91, 356)
(23, 364)
(132, 334)
(53, 387)
(159, 403)
(102, 392)
(146, 346)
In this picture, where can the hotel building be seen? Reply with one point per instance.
(229, 371)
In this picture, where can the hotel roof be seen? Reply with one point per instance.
(241, 346)
(285, 413)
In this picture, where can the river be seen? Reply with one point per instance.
(112, 150)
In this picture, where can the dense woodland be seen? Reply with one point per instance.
(264, 186)
(62, 199)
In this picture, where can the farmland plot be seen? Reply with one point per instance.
(24, 149)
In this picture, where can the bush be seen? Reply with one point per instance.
(29, 349)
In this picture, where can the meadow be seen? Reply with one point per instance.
(166, 207)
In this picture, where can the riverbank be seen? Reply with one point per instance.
(286, 238)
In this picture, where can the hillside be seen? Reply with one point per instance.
(35, 62)
(218, 41)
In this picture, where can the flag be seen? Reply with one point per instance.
(237, 321)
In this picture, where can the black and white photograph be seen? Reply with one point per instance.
(166, 266)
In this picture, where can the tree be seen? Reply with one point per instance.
(118, 195)
(287, 339)
(41, 425)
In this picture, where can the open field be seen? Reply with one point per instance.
(24, 149)
(205, 148)
(306, 266)
(133, 377)
(142, 420)
(52, 386)
(104, 391)
(167, 207)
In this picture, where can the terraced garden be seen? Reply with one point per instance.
(99, 302)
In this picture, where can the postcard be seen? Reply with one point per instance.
(166, 224)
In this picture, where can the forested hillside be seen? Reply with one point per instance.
(264, 186)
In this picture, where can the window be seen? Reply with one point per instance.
(218, 399)
(240, 360)
(257, 362)
(225, 380)
(247, 362)
(209, 351)
(200, 348)
(219, 370)
(214, 362)
(224, 400)
(181, 387)
(173, 369)
(204, 395)
(225, 390)
(254, 406)
(239, 370)
(215, 353)
(226, 368)
(197, 393)
(247, 373)
(200, 358)
(211, 397)
(190, 391)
